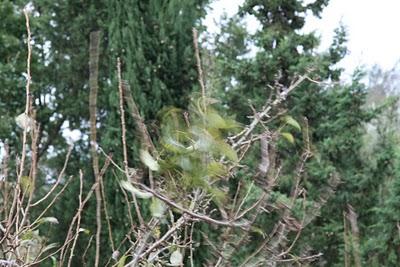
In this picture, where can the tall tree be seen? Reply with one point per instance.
(335, 111)
(380, 241)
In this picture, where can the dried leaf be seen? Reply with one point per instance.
(115, 255)
(148, 160)
(176, 258)
(25, 122)
(264, 164)
(51, 220)
(140, 194)
(50, 246)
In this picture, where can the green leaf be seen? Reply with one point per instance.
(216, 169)
(185, 164)
(204, 140)
(214, 120)
(173, 145)
(226, 150)
(53, 261)
(210, 100)
(26, 184)
(288, 136)
(217, 194)
(85, 231)
(148, 160)
(121, 262)
(140, 194)
(257, 230)
(157, 208)
(292, 122)
(27, 235)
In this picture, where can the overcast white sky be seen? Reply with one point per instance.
(373, 28)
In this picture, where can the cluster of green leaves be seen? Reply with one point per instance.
(193, 147)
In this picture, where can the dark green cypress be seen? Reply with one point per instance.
(335, 113)
(154, 41)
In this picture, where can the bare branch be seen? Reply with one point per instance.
(93, 82)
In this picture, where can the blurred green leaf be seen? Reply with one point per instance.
(157, 208)
(214, 120)
(226, 150)
(148, 160)
(26, 184)
(216, 169)
(288, 136)
(292, 122)
(121, 262)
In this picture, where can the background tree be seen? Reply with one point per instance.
(335, 111)
(381, 144)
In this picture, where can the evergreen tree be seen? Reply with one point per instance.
(380, 241)
(154, 41)
(335, 112)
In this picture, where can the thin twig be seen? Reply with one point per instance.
(257, 119)
(122, 116)
(202, 217)
(33, 172)
(124, 147)
(93, 81)
(59, 178)
(138, 118)
(110, 236)
(170, 231)
(15, 203)
(79, 219)
(199, 68)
